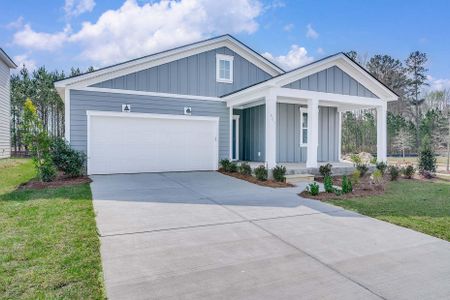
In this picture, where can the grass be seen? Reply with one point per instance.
(49, 246)
(421, 206)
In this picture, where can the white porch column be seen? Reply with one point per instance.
(271, 128)
(339, 135)
(313, 133)
(231, 133)
(382, 133)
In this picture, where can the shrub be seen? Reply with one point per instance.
(245, 169)
(325, 170)
(328, 184)
(382, 166)
(427, 159)
(279, 173)
(393, 172)
(356, 175)
(47, 171)
(337, 192)
(355, 158)
(362, 168)
(66, 159)
(346, 185)
(377, 177)
(233, 167)
(313, 189)
(225, 164)
(408, 171)
(373, 160)
(261, 173)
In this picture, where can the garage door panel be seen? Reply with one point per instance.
(137, 144)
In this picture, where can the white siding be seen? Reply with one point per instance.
(5, 144)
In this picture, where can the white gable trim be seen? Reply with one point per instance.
(341, 61)
(166, 57)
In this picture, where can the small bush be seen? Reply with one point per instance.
(225, 164)
(346, 185)
(356, 159)
(377, 177)
(325, 170)
(279, 173)
(313, 189)
(337, 192)
(408, 171)
(427, 158)
(66, 159)
(261, 173)
(233, 167)
(245, 169)
(382, 166)
(356, 175)
(47, 171)
(362, 168)
(373, 160)
(328, 184)
(393, 172)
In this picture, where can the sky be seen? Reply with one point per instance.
(59, 34)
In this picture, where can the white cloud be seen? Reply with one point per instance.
(438, 84)
(30, 39)
(134, 30)
(16, 24)
(288, 27)
(24, 59)
(320, 51)
(311, 33)
(296, 57)
(75, 8)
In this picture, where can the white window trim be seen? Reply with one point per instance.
(229, 58)
(302, 111)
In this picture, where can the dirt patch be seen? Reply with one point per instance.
(268, 183)
(60, 181)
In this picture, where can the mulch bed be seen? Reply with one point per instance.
(268, 183)
(60, 181)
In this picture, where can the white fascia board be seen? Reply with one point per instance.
(66, 100)
(329, 97)
(143, 93)
(166, 57)
(91, 113)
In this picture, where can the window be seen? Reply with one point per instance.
(303, 126)
(224, 68)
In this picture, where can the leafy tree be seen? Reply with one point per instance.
(427, 158)
(415, 68)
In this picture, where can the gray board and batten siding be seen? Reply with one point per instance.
(331, 80)
(82, 101)
(193, 75)
(252, 134)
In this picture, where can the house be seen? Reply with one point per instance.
(6, 64)
(186, 108)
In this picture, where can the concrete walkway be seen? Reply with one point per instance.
(204, 235)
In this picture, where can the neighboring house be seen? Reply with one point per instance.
(187, 108)
(6, 64)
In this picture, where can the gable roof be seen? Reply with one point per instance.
(162, 57)
(7, 60)
(376, 86)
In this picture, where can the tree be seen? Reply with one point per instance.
(403, 141)
(427, 158)
(415, 68)
(391, 72)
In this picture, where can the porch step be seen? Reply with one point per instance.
(294, 178)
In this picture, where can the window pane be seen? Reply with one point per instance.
(305, 136)
(305, 120)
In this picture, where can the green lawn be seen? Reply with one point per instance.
(49, 246)
(422, 206)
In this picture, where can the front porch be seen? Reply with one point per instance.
(295, 119)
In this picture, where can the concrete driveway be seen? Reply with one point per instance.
(203, 235)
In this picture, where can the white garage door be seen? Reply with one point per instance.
(135, 142)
